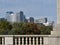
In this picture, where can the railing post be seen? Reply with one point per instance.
(19, 40)
(15, 41)
(26, 40)
(2, 41)
(40, 40)
(29, 40)
(22, 40)
(33, 41)
(36, 40)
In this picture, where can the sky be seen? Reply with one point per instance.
(31, 8)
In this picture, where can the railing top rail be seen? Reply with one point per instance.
(31, 35)
(24, 35)
(49, 36)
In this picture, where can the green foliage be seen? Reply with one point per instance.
(31, 28)
(7, 28)
(46, 30)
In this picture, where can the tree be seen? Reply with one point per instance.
(46, 30)
(31, 28)
(16, 29)
(5, 27)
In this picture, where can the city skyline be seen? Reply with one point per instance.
(31, 8)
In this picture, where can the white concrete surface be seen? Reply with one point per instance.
(8, 40)
(46, 41)
(58, 11)
(56, 29)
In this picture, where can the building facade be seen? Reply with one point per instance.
(41, 20)
(18, 17)
(11, 17)
(31, 20)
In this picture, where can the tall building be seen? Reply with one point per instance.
(20, 17)
(26, 20)
(31, 19)
(41, 20)
(11, 17)
(45, 20)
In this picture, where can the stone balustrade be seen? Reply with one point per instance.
(29, 40)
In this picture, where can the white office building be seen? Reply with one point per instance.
(41, 20)
(11, 17)
(18, 17)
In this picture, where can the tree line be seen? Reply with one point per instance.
(7, 28)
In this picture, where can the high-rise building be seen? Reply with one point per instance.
(11, 17)
(45, 20)
(41, 20)
(26, 20)
(31, 19)
(20, 17)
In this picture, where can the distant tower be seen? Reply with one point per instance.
(20, 17)
(45, 20)
(8, 13)
(11, 17)
(41, 20)
(31, 20)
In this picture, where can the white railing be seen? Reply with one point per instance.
(29, 40)
(24, 39)
(2, 41)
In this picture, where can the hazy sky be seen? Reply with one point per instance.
(31, 8)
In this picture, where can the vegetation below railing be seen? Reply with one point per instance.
(6, 28)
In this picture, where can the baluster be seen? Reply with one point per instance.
(22, 40)
(15, 41)
(19, 40)
(26, 40)
(40, 40)
(2, 41)
(29, 40)
(33, 41)
(36, 40)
